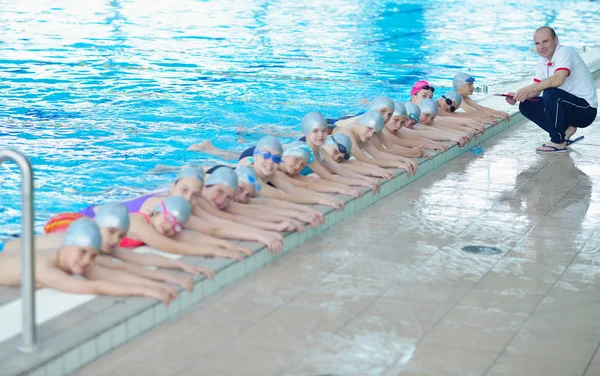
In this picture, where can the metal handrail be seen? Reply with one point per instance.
(27, 251)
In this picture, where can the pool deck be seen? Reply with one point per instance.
(386, 292)
(389, 291)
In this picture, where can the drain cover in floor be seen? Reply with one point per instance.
(482, 249)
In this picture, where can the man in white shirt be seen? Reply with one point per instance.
(569, 100)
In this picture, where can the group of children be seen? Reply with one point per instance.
(266, 193)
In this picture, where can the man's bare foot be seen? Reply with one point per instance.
(203, 146)
(570, 132)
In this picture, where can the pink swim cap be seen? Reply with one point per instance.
(421, 85)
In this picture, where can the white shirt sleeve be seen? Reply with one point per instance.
(564, 60)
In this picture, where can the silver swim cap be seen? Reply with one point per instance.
(399, 110)
(341, 139)
(223, 175)
(269, 142)
(412, 111)
(297, 149)
(311, 121)
(113, 214)
(454, 96)
(248, 175)
(460, 79)
(381, 102)
(177, 206)
(84, 233)
(372, 119)
(429, 107)
(191, 172)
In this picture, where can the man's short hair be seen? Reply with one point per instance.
(547, 28)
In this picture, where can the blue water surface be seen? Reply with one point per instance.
(97, 93)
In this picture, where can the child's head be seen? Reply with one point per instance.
(296, 156)
(463, 84)
(220, 187)
(170, 215)
(188, 184)
(338, 146)
(413, 114)
(81, 246)
(420, 91)
(398, 118)
(370, 122)
(383, 105)
(450, 101)
(267, 155)
(248, 185)
(314, 127)
(113, 220)
(429, 110)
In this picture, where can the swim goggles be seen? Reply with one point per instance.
(267, 155)
(255, 182)
(449, 103)
(341, 148)
(427, 87)
(177, 227)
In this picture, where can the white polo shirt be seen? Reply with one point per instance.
(579, 81)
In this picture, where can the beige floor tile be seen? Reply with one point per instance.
(359, 354)
(504, 299)
(443, 361)
(554, 348)
(579, 282)
(532, 366)
(475, 328)
(431, 293)
(592, 371)
(402, 319)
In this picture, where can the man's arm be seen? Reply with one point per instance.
(534, 90)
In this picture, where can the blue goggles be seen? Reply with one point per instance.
(341, 148)
(267, 155)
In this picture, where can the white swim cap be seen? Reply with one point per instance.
(113, 214)
(311, 121)
(372, 119)
(84, 233)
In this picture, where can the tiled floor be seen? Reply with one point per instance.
(390, 292)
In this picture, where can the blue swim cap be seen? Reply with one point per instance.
(248, 175)
(454, 96)
(191, 172)
(223, 175)
(372, 119)
(429, 107)
(177, 206)
(399, 110)
(268, 142)
(297, 149)
(113, 214)
(381, 102)
(412, 111)
(84, 233)
(460, 79)
(311, 121)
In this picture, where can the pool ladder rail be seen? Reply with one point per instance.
(27, 250)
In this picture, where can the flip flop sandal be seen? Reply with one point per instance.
(554, 149)
(569, 142)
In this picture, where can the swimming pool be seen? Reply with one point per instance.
(96, 94)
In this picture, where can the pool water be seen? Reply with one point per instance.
(98, 93)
